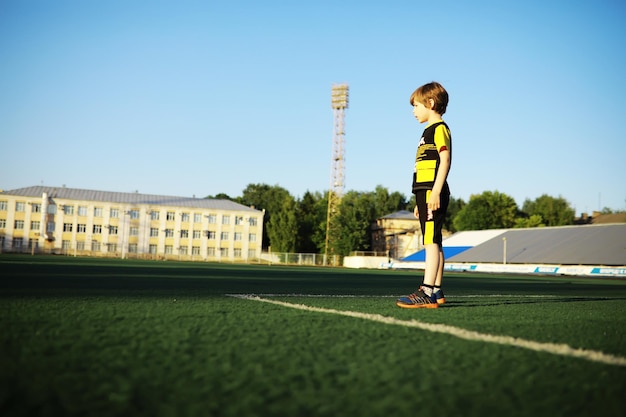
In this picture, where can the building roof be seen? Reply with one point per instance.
(127, 198)
(401, 215)
(565, 245)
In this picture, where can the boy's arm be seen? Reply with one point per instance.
(434, 202)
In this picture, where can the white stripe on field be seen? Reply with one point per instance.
(556, 349)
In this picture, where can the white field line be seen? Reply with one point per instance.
(553, 348)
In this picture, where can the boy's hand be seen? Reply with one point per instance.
(416, 212)
(434, 202)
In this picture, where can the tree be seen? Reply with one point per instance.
(311, 218)
(353, 224)
(455, 205)
(531, 221)
(489, 210)
(264, 197)
(553, 211)
(282, 229)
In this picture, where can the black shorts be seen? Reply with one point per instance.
(432, 223)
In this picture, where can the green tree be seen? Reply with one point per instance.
(531, 221)
(264, 197)
(553, 211)
(311, 218)
(455, 205)
(282, 228)
(489, 210)
(386, 203)
(353, 224)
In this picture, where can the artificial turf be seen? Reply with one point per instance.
(97, 337)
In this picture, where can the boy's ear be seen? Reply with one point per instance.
(431, 103)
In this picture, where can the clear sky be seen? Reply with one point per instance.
(205, 97)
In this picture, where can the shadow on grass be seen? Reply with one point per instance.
(529, 300)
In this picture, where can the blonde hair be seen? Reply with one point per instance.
(431, 91)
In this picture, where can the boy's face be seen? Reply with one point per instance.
(420, 112)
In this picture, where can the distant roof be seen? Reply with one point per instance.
(402, 215)
(127, 198)
(566, 245)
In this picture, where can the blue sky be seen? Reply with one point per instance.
(203, 97)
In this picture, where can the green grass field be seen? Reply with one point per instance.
(98, 337)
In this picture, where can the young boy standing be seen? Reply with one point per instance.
(430, 186)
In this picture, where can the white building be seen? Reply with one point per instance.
(127, 225)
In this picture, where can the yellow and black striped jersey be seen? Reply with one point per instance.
(435, 139)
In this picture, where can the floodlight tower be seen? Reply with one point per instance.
(339, 104)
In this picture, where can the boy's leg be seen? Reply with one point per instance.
(433, 260)
(422, 298)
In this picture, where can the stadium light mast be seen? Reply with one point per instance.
(339, 104)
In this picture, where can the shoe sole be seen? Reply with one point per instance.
(441, 301)
(402, 305)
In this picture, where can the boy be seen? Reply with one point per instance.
(430, 186)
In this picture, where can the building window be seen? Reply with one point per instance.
(19, 225)
(210, 251)
(195, 250)
(50, 227)
(152, 249)
(184, 234)
(197, 234)
(133, 248)
(134, 214)
(133, 231)
(80, 245)
(185, 217)
(224, 252)
(237, 236)
(81, 228)
(169, 249)
(52, 209)
(210, 235)
(19, 206)
(33, 243)
(252, 237)
(252, 221)
(154, 215)
(97, 229)
(182, 250)
(95, 246)
(212, 218)
(112, 247)
(68, 210)
(66, 245)
(97, 212)
(197, 218)
(112, 230)
(3, 223)
(154, 232)
(170, 216)
(237, 253)
(169, 232)
(226, 219)
(3, 206)
(114, 213)
(67, 227)
(251, 253)
(35, 225)
(36, 208)
(82, 211)
(17, 243)
(224, 236)
(238, 220)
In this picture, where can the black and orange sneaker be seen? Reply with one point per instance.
(417, 300)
